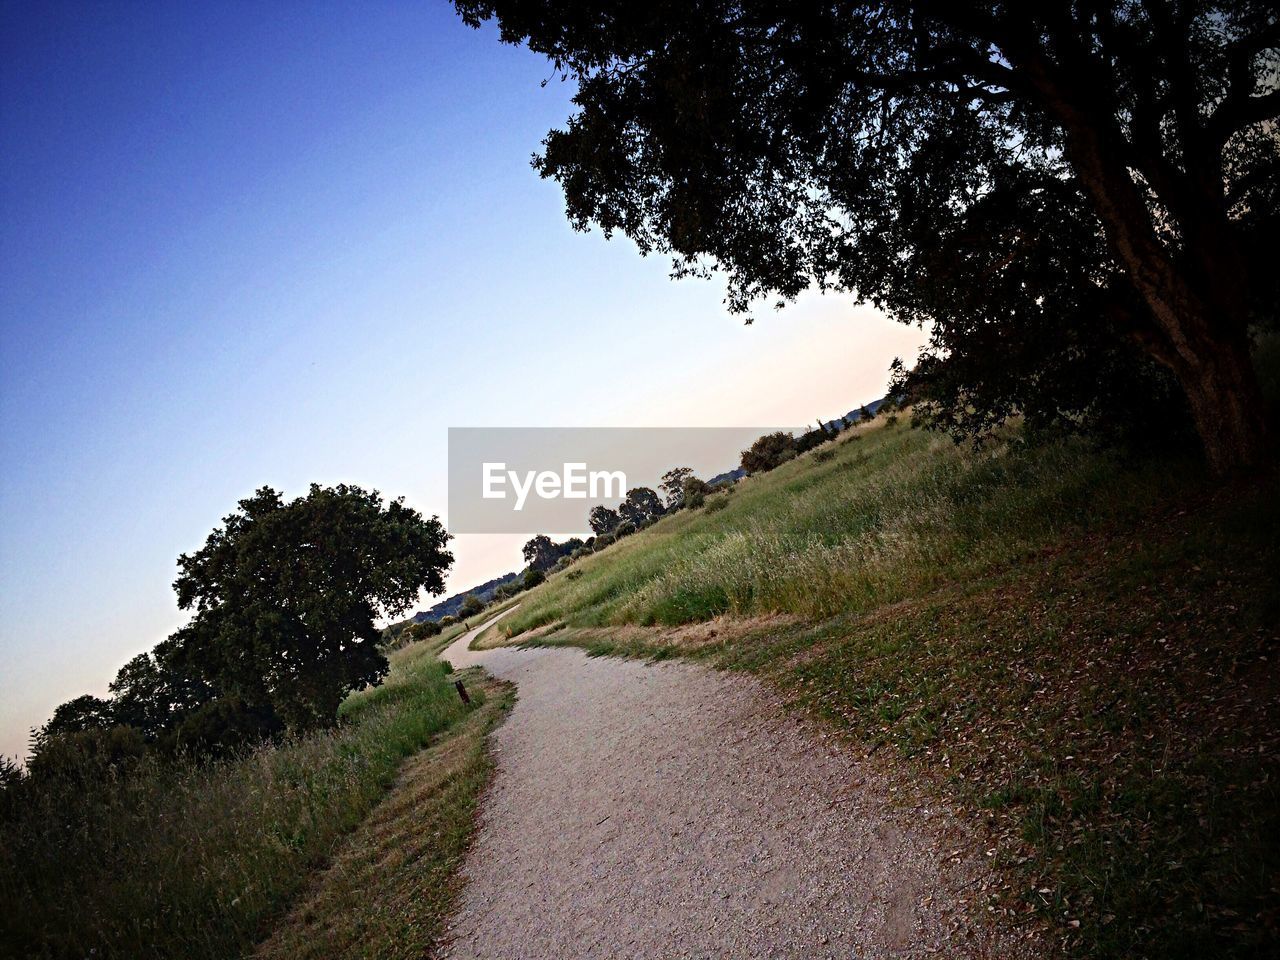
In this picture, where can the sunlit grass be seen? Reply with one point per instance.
(893, 512)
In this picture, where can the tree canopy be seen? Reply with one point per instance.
(603, 520)
(1101, 177)
(641, 507)
(284, 598)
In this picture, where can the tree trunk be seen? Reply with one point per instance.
(1202, 328)
(1226, 405)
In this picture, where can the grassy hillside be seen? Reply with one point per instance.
(1079, 650)
(187, 860)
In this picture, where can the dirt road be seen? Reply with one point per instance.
(667, 810)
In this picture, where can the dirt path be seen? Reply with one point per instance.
(667, 810)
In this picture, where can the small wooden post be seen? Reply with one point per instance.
(462, 691)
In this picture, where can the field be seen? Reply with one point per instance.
(186, 860)
(1078, 648)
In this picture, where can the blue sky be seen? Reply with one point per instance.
(253, 244)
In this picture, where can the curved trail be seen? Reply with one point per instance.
(668, 810)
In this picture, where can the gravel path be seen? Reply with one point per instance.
(668, 810)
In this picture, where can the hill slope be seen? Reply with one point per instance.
(1079, 651)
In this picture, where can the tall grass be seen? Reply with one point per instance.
(193, 860)
(893, 512)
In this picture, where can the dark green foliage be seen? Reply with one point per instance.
(811, 439)
(993, 169)
(285, 596)
(603, 520)
(82, 713)
(86, 755)
(768, 452)
(540, 553)
(641, 507)
(694, 493)
(532, 577)
(625, 529)
(672, 486)
(471, 606)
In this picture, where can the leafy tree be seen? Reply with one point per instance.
(532, 577)
(694, 492)
(865, 414)
(471, 605)
(603, 520)
(77, 715)
(285, 596)
(913, 149)
(540, 553)
(768, 452)
(673, 486)
(641, 507)
(811, 439)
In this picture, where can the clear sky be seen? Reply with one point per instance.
(248, 244)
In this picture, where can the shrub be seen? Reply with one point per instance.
(532, 577)
(603, 541)
(471, 606)
(822, 456)
(625, 529)
(717, 503)
(768, 452)
(448, 621)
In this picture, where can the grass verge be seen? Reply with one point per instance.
(198, 860)
(393, 881)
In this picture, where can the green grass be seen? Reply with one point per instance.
(1078, 652)
(895, 512)
(186, 860)
(393, 881)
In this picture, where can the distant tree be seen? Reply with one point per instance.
(532, 577)
(471, 605)
(603, 520)
(79, 714)
(811, 439)
(1105, 166)
(641, 507)
(864, 415)
(567, 547)
(285, 595)
(672, 486)
(694, 492)
(419, 630)
(540, 552)
(768, 452)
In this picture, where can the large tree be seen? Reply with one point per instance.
(285, 596)
(1122, 157)
(642, 506)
